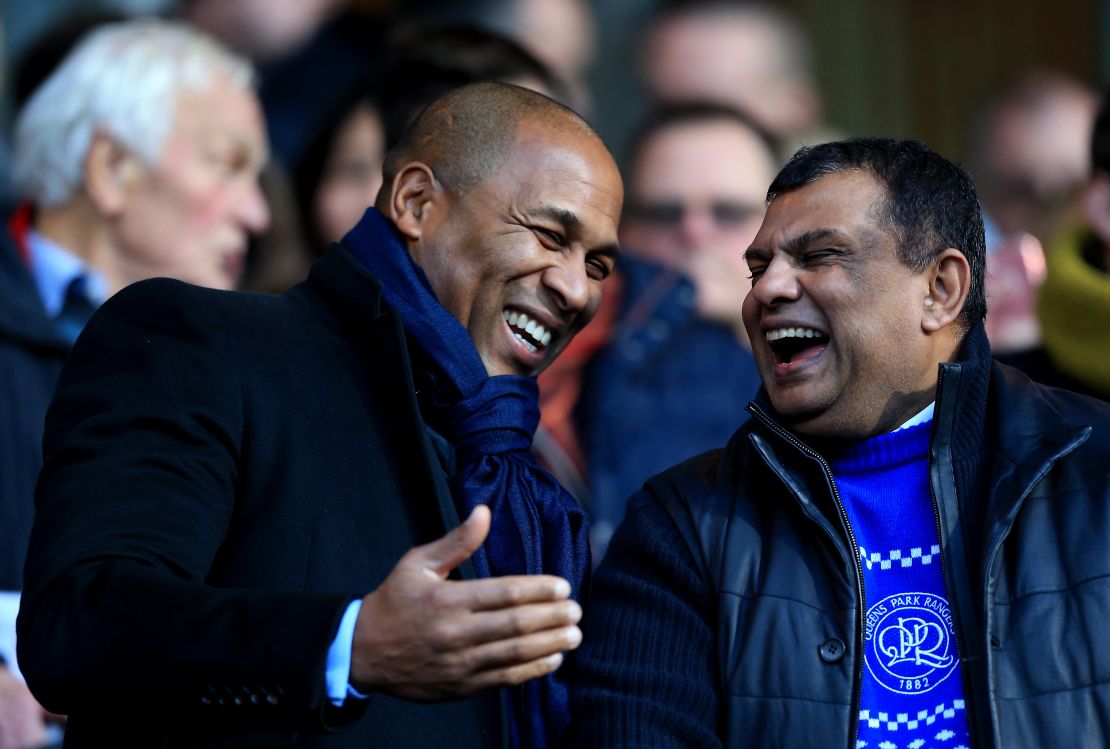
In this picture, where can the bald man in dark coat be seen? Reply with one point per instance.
(234, 484)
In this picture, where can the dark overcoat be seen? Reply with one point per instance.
(224, 473)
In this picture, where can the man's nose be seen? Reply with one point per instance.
(252, 210)
(778, 283)
(569, 282)
(698, 228)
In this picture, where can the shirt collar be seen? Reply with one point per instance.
(925, 414)
(55, 268)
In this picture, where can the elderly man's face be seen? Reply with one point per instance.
(519, 259)
(189, 216)
(835, 319)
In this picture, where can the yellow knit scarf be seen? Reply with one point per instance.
(1074, 312)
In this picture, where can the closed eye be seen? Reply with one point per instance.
(549, 237)
(756, 264)
(819, 255)
(756, 260)
(598, 268)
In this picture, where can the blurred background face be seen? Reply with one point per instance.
(1034, 158)
(262, 29)
(190, 215)
(696, 199)
(352, 174)
(562, 35)
(741, 61)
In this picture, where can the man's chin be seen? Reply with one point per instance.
(806, 418)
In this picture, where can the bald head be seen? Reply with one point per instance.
(466, 135)
(509, 204)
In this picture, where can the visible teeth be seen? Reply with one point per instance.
(780, 333)
(532, 333)
(527, 344)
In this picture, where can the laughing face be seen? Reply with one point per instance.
(835, 318)
(519, 258)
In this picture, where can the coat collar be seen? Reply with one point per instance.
(352, 300)
(347, 289)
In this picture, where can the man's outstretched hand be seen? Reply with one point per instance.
(423, 637)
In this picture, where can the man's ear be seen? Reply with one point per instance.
(949, 284)
(1096, 205)
(414, 199)
(112, 174)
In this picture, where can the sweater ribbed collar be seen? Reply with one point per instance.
(884, 451)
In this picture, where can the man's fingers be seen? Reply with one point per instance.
(494, 593)
(522, 650)
(446, 553)
(490, 626)
(513, 675)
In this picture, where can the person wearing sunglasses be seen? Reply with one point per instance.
(677, 372)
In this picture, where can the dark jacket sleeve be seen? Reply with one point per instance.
(645, 675)
(136, 496)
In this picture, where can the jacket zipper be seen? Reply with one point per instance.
(857, 695)
(945, 567)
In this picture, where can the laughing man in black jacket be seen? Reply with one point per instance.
(908, 544)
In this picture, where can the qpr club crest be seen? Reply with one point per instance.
(910, 642)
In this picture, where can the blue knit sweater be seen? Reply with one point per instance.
(912, 696)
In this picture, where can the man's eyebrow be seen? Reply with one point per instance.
(794, 245)
(568, 218)
(754, 253)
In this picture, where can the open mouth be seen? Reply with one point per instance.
(532, 334)
(796, 345)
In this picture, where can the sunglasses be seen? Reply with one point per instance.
(669, 214)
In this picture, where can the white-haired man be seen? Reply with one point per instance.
(138, 157)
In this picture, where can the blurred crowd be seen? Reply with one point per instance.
(228, 143)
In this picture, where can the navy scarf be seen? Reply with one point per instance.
(537, 526)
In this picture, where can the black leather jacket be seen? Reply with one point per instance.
(1021, 478)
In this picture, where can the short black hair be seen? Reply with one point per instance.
(1100, 137)
(930, 202)
(666, 116)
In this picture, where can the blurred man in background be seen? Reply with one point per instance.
(1030, 153)
(677, 373)
(1073, 308)
(1030, 159)
(138, 157)
(751, 56)
(560, 34)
